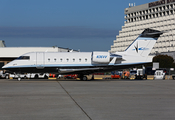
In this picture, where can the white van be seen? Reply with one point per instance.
(159, 74)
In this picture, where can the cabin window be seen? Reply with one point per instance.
(86, 60)
(79, 60)
(67, 60)
(49, 59)
(61, 60)
(73, 60)
(24, 58)
(55, 59)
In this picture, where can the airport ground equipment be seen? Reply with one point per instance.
(116, 74)
(173, 76)
(70, 76)
(125, 75)
(140, 74)
(4, 75)
(159, 74)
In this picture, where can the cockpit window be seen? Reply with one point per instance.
(24, 58)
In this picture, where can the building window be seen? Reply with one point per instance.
(149, 10)
(167, 6)
(157, 15)
(153, 15)
(171, 12)
(160, 14)
(167, 12)
(153, 9)
(171, 6)
(135, 14)
(156, 9)
(140, 13)
(160, 8)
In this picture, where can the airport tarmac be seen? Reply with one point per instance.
(87, 100)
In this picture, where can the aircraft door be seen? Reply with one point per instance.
(40, 60)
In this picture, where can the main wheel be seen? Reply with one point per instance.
(84, 78)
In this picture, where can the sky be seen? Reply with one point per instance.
(85, 25)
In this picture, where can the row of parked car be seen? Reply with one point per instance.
(28, 75)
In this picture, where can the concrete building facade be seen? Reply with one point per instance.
(159, 15)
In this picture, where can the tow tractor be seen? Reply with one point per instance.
(116, 74)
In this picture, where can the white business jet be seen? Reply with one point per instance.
(85, 63)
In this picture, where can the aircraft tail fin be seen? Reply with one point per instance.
(144, 43)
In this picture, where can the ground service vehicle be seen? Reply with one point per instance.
(133, 72)
(71, 76)
(140, 74)
(116, 74)
(159, 74)
(173, 76)
(3, 75)
(125, 75)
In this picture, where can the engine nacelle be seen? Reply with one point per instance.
(101, 57)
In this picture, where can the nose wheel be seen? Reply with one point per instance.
(19, 79)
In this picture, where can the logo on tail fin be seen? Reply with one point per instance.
(136, 47)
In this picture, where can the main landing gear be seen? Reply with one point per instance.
(82, 77)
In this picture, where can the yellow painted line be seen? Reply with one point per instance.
(150, 78)
(51, 78)
(98, 78)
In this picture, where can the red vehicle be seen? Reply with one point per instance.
(115, 76)
(71, 76)
(52, 75)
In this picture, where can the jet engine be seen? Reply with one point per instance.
(101, 57)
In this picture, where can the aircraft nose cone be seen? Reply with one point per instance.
(4, 67)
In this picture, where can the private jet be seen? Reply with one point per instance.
(85, 63)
